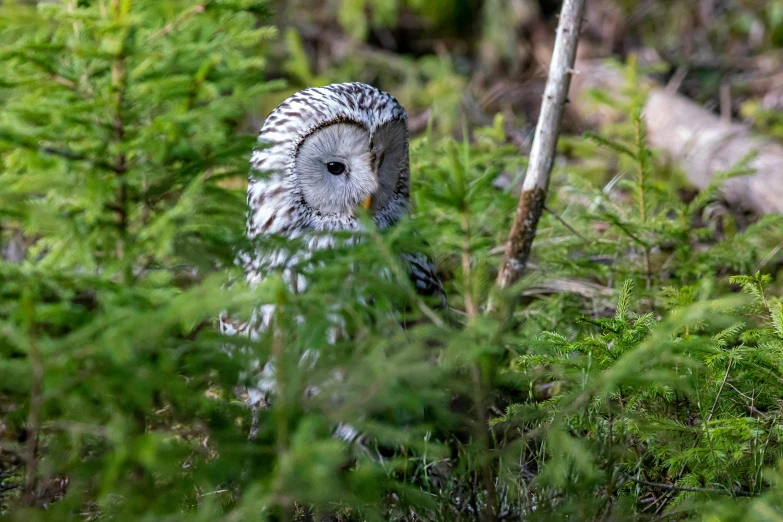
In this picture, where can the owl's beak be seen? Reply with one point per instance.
(367, 202)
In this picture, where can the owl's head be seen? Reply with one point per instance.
(324, 154)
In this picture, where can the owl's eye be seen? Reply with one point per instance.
(335, 167)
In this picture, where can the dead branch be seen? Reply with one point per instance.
(674, 487)
(534, 188)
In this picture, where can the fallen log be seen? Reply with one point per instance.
(695, 138)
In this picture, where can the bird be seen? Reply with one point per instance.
(322, 155)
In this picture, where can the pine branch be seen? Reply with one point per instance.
(31, 144)
(74, 156)
(196, 9)
(642, 165)
(534, 188)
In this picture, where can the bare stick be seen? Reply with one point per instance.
(196, 9)
(565, 224)
(534, 188)
(720, 390)
(674, 487)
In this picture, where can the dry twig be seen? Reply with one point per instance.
(534, 188)
(674, 487)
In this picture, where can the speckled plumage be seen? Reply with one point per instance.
(275, 199)
(277, 194)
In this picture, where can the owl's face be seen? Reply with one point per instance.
(327, 152)
(344, 166)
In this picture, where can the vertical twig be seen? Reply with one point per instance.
(725, 104)
(29, 497)
(467, 279)
(534, 188)
(118, 87)
(281, 410)
(764, 303)
(642, 166)
(471, 309)
(281, 406)
(667, 496)
(490, 506)
(720, 390)
(610, 471)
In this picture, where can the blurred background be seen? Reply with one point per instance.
(472, 59)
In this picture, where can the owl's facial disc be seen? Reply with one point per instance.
(336, 169)
(389, 144)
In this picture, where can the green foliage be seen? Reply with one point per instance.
(636, 369)
(118, 131)
(357, 17)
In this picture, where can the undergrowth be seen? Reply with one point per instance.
(633, 374)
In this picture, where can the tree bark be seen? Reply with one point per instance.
(536, 183)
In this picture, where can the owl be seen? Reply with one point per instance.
(324, 154)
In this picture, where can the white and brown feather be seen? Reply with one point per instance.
(277, 205)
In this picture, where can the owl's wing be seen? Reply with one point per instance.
(423, 275)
